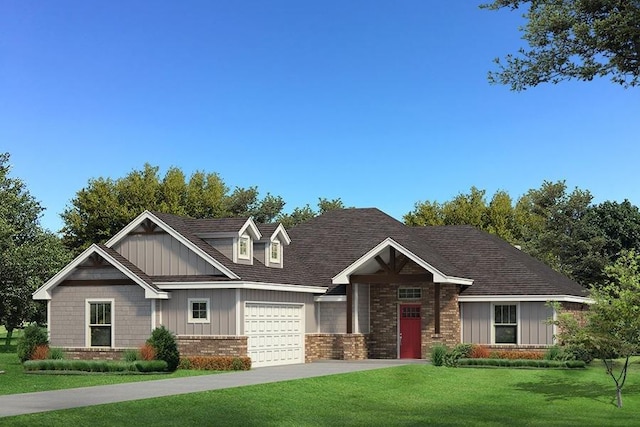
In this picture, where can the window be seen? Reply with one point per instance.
(409, 293)
(243, 248)
(274, 255)
(198, 310)
(100, 324)
(506, 324)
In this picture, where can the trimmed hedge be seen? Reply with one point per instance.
(94, 365)
(523, 363)
(216, 363)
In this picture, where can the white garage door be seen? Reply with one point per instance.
(275, 333)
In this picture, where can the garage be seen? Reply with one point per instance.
(275, 333)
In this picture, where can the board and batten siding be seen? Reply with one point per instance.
(159, 254)
(222, 312)
(332, 315)
(533, 327)
(255, 295)
(225, 246)
(68, 327)
(477, 322)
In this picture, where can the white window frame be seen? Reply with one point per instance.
(410, 298)
(190, 303)
(88, 325)
(518, 323)
(246, 239)
(278, 247)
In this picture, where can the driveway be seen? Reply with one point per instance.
(28, 403)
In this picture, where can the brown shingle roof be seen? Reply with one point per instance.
(497, 267)
(324, 246)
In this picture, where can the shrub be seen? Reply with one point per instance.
(216, 363)
(522, 363)
(164, 343)
(438, 353)
(150, 365)
(147, 352)
(130, 355)
(40, 352)
(457, 352)
(480, 352)
(32, 337)
(515, 354)
(56, 353)
(552, 353)
(580, 353)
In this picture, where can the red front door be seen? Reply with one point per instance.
(410, 331)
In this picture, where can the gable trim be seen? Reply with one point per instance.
(176, 235)
(44, 291)
(242, 285)
(525, 298)
(438, 276)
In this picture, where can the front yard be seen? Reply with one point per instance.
(408, 395)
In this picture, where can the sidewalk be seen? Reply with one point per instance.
(28, 403)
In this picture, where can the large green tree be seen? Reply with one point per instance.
(496, 217)
(306, 212)
(105, 205)
(573, 39)
(28, 254)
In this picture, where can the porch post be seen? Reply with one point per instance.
(350, 307)
(436, 308)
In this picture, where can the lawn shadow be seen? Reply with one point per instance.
(565, 389)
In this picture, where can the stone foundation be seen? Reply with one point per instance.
(336, 347)
(217, 345)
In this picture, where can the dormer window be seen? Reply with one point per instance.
(274, 253)
(244, 245)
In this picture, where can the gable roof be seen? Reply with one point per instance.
(114, 259)
(325, 250)
(497, 267)
(175, 226)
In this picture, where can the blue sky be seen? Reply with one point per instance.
(379, 103)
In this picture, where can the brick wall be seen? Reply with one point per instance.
(384, 318)
(216, 345)
(335, 347)
(93, 354)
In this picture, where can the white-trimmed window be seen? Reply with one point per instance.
(244, 247)
(409, 293)
(505, 323)
(275, 251)
(198, 310)
(99, 317)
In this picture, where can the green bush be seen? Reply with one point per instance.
(164, 342)
(237, 364)
(438, 353)
(95, 365)
(150, 365)
(580, 353)
(522, 363)
(130, 356)
(56, 353)
(32, 337)
(552, 353)
(456, 353)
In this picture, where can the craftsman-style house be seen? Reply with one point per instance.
(349, 284)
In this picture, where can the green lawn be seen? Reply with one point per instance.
(15, 380)
(406, 396)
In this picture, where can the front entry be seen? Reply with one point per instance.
(410, 342)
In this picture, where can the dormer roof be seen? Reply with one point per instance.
(274, 231)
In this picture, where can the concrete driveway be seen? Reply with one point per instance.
(28, 403)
